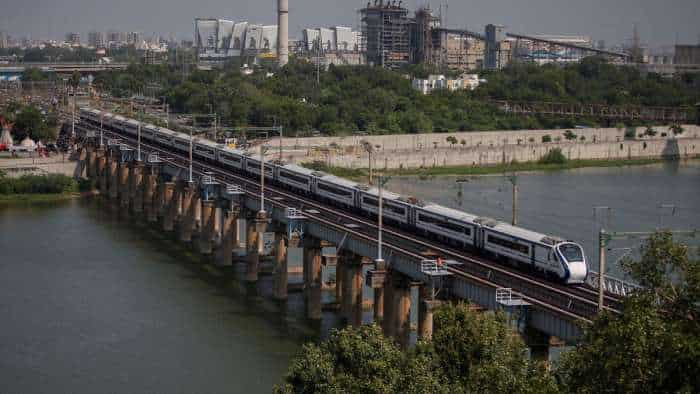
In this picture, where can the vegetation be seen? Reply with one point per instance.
(30, 121)
(554, 156)
(652, 346)
(469, 352)
(377, 101)
(38, 184)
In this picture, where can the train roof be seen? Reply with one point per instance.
(208, 143)
(133, 122)
(299, 169)
(386, 195)
(448, 212)
(119, 118)
(338, 181)
(233, 150)
(524, 233)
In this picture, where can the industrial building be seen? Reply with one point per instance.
(96, 39)
(385, 34)
(220, 39)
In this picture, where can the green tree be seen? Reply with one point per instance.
(30, 121)
(33, 74)
(653, 345)
(480, 352)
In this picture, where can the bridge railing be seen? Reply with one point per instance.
(612, 285)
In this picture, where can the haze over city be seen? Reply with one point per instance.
(658, 23)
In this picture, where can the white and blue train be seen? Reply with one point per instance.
(560, 259)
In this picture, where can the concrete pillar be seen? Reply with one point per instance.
(113, 174)
(187, 222)
(170, 208)
(136, 187)
(281, 273)
(402, 295)
(83, 162)
(352, 291)
(253, 258)
(388, 320)
(427, 305)
(339, 283)
(91, 157)
(124, 185)
(100, 173)
(313, 284)
(207, 226)
(229, 230)
(149, 191)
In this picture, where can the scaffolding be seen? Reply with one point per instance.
(385, 34)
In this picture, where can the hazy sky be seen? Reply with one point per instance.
(660, 21)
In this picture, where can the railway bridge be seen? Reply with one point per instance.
(211, 207)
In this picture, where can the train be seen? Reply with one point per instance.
(556, 259)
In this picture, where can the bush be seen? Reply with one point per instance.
(630, 133)
(38, 184)
(546, 138)
(569, 135)
(554, 156)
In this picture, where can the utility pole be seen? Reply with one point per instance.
(368, 148)
(514, 181)
(602, 243)
(101, 121)
(262, 180)
(191, 143)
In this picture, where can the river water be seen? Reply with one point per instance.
(563, 203)
(91, 303)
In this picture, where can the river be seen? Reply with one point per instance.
(563, 203)
(91, 303)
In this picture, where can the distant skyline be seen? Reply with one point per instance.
(659, 23)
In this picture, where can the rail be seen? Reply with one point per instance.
(612, 285)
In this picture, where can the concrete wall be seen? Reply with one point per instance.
(16, 167)
(486, 148)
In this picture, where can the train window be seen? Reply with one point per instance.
(334, 190)
(508, 244)
(445, 224)
(232, 158)
(385, 205)
(294, 177)
(572, 253)
(370, 201)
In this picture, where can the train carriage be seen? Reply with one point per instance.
(393, 207)
(205, 149)
(231, 157)
(164, 136)
(252, 166)
(296, 177)
(447, 224)
(131, 126)
(337, 190)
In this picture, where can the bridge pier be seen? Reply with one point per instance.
(113, 174)
(149, 191)
(427, 304)
(186, 223)
(82, 162)
(252, 257)
(124, 186)
(280, 271)
(91, 157)
(312, 276)
(170, 207)
(135, 188)
(352, 289)
(207, 228)
(100, 174)
(229, 234)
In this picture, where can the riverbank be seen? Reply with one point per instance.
(47, 197)
(361, 174)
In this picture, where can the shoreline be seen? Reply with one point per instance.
(361, 174)
(29, 198)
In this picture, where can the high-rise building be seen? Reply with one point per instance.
(3, 40)
(96, 39)
(116, 38)
(73, 39)
(385, 34)
(134, 38)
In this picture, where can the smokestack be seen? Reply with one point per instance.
(282, 32)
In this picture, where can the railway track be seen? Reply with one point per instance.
(573, 301)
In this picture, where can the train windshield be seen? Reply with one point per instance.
(572, 252)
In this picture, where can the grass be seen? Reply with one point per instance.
(361, 174)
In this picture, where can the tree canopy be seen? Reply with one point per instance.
(379, 101)
(654, 344)
(470, 352)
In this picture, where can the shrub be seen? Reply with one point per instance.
(554, 156)
(546, 138)
(38, 184)
(569, 135)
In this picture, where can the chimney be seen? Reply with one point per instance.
(282, 32)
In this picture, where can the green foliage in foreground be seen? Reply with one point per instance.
(38, 184)
(30, 121)
(554, 156)
(654, 345)
(470, 352)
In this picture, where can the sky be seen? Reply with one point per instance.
(660, 22)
